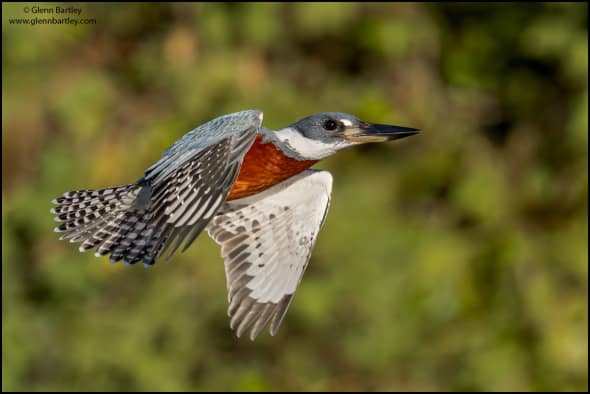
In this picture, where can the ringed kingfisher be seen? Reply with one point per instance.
(251, 189)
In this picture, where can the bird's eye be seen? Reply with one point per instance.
(330, 125)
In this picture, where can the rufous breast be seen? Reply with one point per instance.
(264, 166)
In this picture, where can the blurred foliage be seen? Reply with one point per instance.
(454, 260)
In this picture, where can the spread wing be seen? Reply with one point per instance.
(266, 242)
(174, 200)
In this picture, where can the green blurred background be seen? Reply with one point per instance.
(453, 260)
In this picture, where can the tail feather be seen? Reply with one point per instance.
(117, 222)
(99, 235)
(90, 216)
(108, 220)
(137, 241)
(88, 204)
(82, 196)
(88, 229)
(123, 247)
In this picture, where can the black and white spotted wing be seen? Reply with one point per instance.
(266, 242)
(174, 200)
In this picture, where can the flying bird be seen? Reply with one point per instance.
(251, 189)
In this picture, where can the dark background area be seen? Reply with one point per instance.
(453, 260)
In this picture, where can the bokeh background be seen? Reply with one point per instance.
(453, 260)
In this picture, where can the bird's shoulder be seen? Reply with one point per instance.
(239, 128)
(219, 128)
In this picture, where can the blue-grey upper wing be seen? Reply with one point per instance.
(202, 138)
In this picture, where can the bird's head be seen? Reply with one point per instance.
(320, 135)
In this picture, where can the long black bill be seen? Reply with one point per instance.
(372, 132)
(389, 131)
